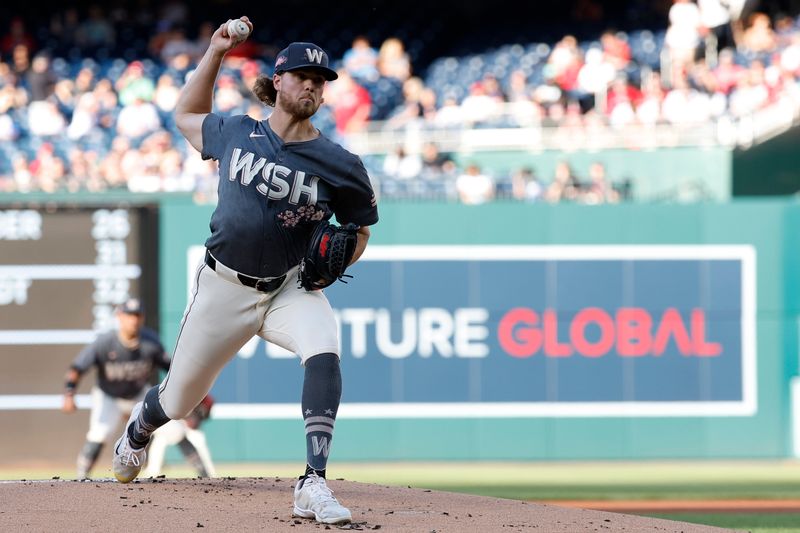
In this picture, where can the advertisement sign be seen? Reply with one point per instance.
(527, 331)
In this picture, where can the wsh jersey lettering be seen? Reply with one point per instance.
(278, 180)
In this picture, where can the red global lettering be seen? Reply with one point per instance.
(672, 327)
(517, 332)
(551, 345)
(701, 347)
(577, 332)
(631, 332)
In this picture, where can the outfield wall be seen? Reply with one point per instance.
(505, 331)
(512, 331)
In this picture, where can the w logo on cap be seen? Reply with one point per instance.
(315, 55)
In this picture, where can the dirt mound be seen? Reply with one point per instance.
(264, 504)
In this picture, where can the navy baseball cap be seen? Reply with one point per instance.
(304, 55)
(293, 57)
(131, 306)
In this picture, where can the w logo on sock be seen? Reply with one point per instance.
(320, 445)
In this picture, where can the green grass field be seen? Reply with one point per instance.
(618, 481)
(757, 523)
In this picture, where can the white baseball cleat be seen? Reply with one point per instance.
(313, 499)
(128, 461)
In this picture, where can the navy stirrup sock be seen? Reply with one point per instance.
(322, 391)
(151, 417)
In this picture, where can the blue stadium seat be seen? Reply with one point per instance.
(646, 47)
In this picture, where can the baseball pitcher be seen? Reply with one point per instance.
(269, 257)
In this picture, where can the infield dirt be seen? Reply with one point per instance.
(264, 504)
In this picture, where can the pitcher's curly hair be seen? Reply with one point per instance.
(265, 91)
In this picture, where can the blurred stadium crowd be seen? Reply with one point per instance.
(86, 100)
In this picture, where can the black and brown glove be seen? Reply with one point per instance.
(329, 253)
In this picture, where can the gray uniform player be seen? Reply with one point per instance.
(125, 360)
(278, 179)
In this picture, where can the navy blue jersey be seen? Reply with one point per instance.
(122, 372)
(272, 193)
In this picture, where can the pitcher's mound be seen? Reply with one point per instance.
(265, 504)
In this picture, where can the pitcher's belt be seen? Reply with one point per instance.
(259, 284)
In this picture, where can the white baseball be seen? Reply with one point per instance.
(238, 30)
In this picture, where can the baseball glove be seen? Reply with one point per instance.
(329, 253)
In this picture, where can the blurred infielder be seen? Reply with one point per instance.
(125, 359)
(187, 436)
(269, 253)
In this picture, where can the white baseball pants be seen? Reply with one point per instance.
(222, 315)
(107, 412)
(172, 433)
